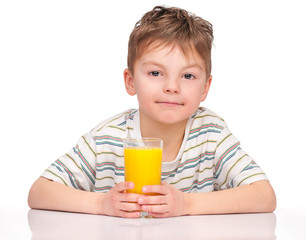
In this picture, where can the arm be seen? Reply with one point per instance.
(256, 197)
(47, 194)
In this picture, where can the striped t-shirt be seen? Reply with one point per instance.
(210, 157)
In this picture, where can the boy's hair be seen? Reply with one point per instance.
(171, 26)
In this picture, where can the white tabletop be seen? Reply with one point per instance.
(62, 225)
(39, 224)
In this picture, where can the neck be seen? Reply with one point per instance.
(172, 135)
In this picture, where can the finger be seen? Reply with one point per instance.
(122, 186)
(146, 200)
(129, 206)
(132, 214)
(159, 189)
(129, 197)
(159, 215)
(163, 208)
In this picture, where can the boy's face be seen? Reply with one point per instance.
(169, 85)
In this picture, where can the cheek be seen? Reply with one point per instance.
(144, 97)
(195, 93)
(146, 89)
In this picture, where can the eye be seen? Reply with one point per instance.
(189, 76)
(154, 73)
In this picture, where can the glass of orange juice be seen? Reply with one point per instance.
(142, 163)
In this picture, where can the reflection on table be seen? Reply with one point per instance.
(63, 225)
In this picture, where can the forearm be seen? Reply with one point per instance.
(256, 197)
(46, 194)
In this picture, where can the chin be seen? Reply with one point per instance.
(168, 119)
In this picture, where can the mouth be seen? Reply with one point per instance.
(170, 104)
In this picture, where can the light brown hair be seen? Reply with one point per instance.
(165, 26)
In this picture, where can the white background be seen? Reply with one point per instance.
(61, 73)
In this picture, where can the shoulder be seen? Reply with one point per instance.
(205, 125)
(116, 122)
(205, 116)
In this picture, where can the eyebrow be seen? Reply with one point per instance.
(194, 65)
(152, 63)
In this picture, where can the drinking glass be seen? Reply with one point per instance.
(142, 163)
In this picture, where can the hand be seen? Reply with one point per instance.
(169, 203)
(117, 202)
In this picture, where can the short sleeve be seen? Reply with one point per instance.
(234, 167)
(76, 168)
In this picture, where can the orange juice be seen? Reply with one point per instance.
(142, 166)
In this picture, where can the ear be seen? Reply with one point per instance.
(129, 82)
(206, 88)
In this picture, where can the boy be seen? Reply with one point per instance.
(169, 65)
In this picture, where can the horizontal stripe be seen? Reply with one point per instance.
(103, 164)
(116, 127)
(191, 160)
(203, 132)
(228, 172)
(108, 137)
(250, 166)
(89, 167)
(109, 140)
(122, 124)
(58, 168)
(196, 172)
(110, 153)
(109, 143)
(93, 152)
(105, 188)
(88, 174)
(210, 183)
(253, 175)
(57, 176)
(107, 177)
(73, 161)
(225, 154)
(198, 145)
(72, 178)
(199, 184)
(208, 115)
(184, 167)
(118, 172)
(204, 126)
(217, 175)
(223, 140)
(130, 117)
(196, 161)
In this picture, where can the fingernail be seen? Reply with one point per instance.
(140, 200)
(144, 189)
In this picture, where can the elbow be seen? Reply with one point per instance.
(36, 193)
(31, 195)
(266, 197)
(269, 198)
(271, 202)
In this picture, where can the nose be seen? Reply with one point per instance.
(172, 86)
